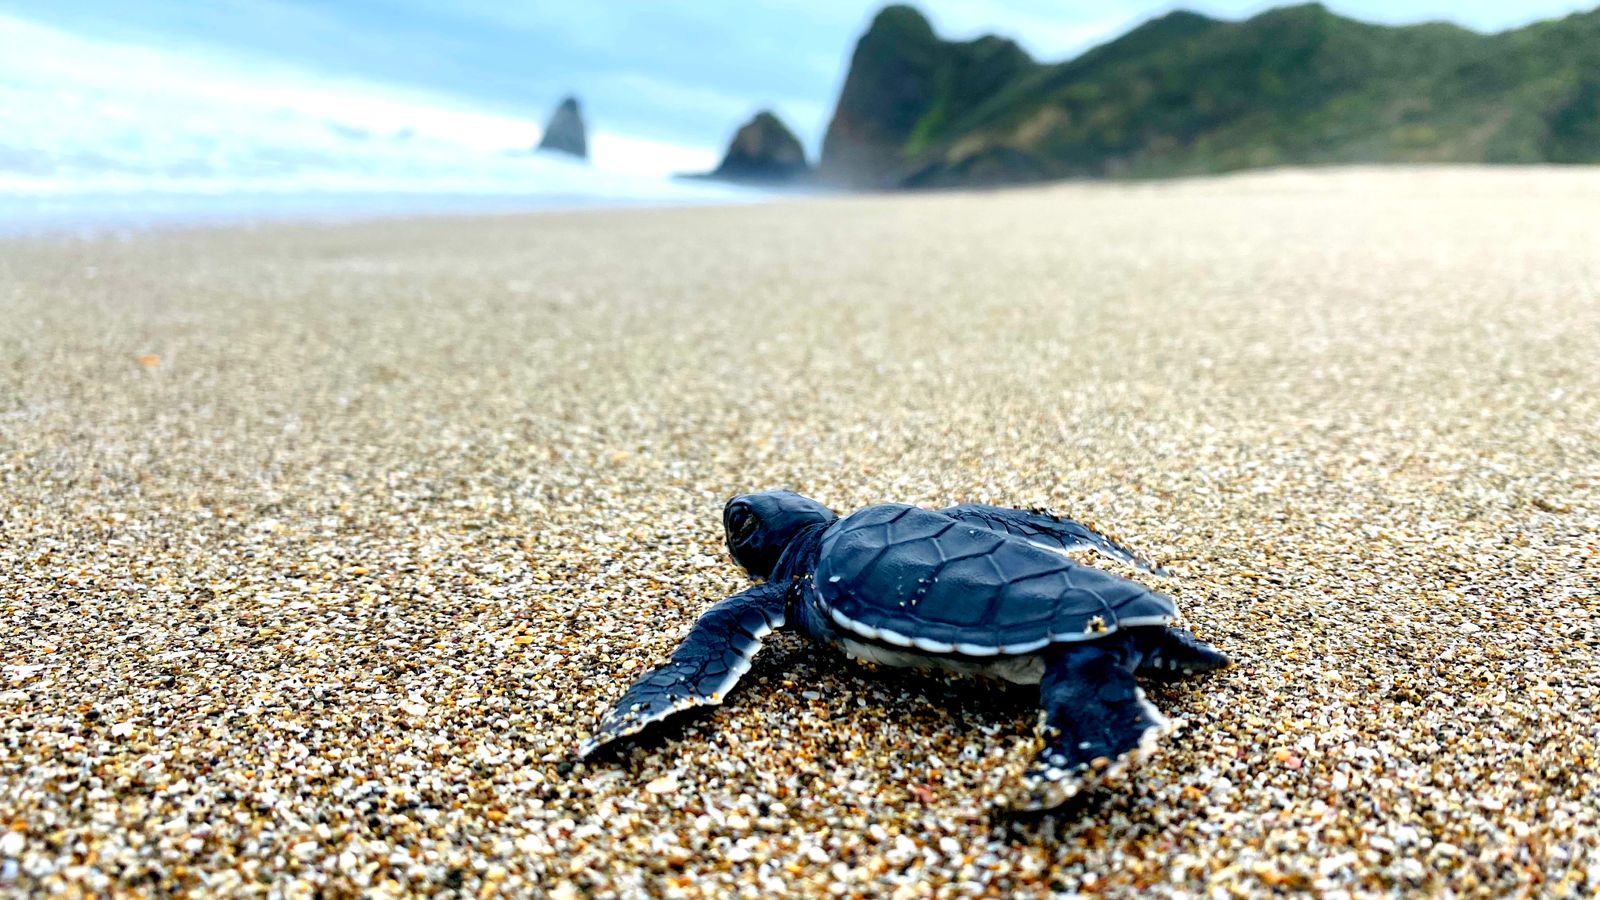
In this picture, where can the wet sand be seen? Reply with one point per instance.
(323, 546)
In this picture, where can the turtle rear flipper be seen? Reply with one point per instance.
(1174, 653)
(702, 670)
(1097, 722)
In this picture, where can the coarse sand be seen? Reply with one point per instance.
(323, 546)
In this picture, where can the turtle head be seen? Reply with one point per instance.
(760, 526)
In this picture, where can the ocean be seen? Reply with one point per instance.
(133, 204)
(97, 135)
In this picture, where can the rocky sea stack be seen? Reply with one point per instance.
(763, 150)
(565, 132)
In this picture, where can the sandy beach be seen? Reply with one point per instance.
(322, 546)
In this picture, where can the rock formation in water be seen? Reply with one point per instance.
(763, 151)
(565, 133)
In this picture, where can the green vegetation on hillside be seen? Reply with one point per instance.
(1187, 94)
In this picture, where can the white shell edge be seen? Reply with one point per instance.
(902, 640)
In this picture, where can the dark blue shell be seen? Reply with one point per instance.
(911, 577)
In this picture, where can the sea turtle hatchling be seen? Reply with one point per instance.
(975, 589)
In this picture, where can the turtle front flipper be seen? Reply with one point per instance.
(1050, 531)
(1097, 721)
(1173, 653)
(702, 670)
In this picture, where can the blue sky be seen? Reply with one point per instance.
(665, 77)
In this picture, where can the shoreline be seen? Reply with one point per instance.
(245, 212)
(93, 214)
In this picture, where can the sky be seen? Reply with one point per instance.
(664, 83)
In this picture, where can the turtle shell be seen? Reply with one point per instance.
(910, 577)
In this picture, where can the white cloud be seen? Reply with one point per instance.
(97, 114)
(640, 156)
